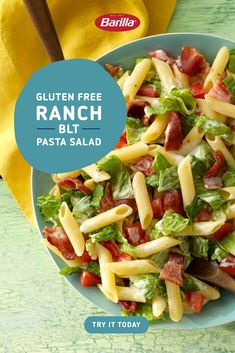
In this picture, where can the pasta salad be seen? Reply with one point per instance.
(151, 224)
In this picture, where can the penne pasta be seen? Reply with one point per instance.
(90, 184)
(71, 228)
(122, 80)
(209, 292)
(131, 152)
(130, 294)
(55, 191)
(230, 212)
(217, 144)
(175, 303)
(217, 68)
(171, 157)
(201, 228)
(73, 174)
(134, 267)
(71, 263)
(228, 192)
(135, 80)
(191, 141)
(182, 80)
(96, 174)
(186, 181)
(158, 305)
(142, 200)
(221, 107)
(206, 108)
(107, 277)
(105, 218)
(156, 128)
(166, 75)
(155, 246)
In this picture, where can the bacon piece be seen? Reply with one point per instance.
(145, 165)
(148, 90)
(197, 90)
(107, 201)
(112, 69)
(157, 207)
(162, 55)
(220, 92)
(74, 184)
(195, 300)
(135, 234)
(112, 246)
(203, 216)
(212, 179)
(173, 133)
(128, 306)
(56, 236)
(129, 202)
(173, 269)
(223, 230)
(191, 62)
(135, 108)
(172, 200)
(86, 258)
(123, 257)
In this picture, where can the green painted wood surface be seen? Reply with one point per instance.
(39, 311)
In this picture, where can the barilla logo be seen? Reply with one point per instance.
(117, 22)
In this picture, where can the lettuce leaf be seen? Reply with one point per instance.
(92, 267)
(214, 127)
(75, 197)
(106, 233)
(160, 258)
(146, 283)
(179, 100)
(204, 152)
(230, 84)
(231, 61)
(120, 178)
(229, 178)
(228, 243)
(168, 179)
(212, 197)
(216, 253)
(185, 250)
(193, 209)
(124, 245)
(97, 196)
(49, 206)
(160, 163)
(199, 246)
(198, 167)
(152, 180)
(134, 130)
(189, 285)
(83, 209)
(188, 122)
(172, 222)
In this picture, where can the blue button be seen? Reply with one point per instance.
(116, 324)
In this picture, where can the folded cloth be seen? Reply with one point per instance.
(22, 54)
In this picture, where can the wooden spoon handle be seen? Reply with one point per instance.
(43, 22)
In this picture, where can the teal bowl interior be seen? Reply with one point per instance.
(215, 313)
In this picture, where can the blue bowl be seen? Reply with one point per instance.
(216, 312)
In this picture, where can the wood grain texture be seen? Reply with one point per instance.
(40, 312)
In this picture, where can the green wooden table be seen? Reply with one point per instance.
(39, 311)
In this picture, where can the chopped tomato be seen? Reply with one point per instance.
(197, 90)
(228, 265)
(135, 234)
(128, 306)
(173, 133)
(223, 230)
(112, 69)
(123, 257)
(85, 258)
(112, 247)
(89, 279)
(195, 301)
(172, 200)
(122, 142)
(157, 207)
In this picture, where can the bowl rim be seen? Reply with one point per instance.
(33, 170)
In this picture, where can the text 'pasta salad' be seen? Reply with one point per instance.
(152, 223)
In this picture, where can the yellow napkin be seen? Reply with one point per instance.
(21, 54)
